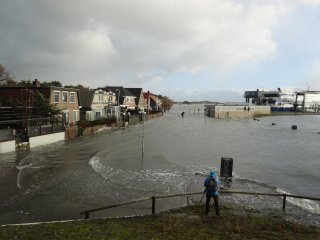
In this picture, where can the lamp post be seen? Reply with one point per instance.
(118, 90)
(143, 113)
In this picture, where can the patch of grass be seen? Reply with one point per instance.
(184, 223)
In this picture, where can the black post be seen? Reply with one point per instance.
(86, 215)
(153, 204)
(284, 201)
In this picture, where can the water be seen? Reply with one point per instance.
(58, 181)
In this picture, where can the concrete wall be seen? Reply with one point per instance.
(46, 139)
(8, 146)
(237, 111)
(262, 110)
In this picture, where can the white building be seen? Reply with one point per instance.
(240, 110)
(97, 104)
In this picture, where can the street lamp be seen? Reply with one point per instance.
(143, 113)
(118, 112)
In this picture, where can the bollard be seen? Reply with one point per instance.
(226, 167)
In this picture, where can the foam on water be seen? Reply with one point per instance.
(148, 180)
(306, 204)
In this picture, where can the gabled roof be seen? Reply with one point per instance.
(136, 92)
(128, 93)
(154, 98)
(123, 92)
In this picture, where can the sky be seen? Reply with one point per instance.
(188, 50)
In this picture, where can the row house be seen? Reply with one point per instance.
(109, 101)
(139, 98)
(97, 104)
(66, 99)
(152, 101)
(125, 99)
(85, 104)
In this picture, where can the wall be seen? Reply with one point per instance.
(262, 110)
(238, 111)
(46, 139)
(8, 146)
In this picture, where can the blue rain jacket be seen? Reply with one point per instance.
(206, 183)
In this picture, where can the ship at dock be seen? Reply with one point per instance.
(284, 99)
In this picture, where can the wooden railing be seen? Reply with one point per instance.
(153, 198)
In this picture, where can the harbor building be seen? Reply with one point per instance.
(285, 99)
(241, 110)
(308, 101)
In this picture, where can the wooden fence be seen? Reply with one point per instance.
(153, 200)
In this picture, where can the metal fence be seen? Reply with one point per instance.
(21, 130)
(153, 200)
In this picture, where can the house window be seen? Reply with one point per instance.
(65, 97)
(100, 98)
(56, 97)
(72, 97)
(98, 115)
(75, 115)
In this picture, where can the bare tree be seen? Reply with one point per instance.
(167, 103)
(5, 75)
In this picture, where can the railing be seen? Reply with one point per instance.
(153, 198)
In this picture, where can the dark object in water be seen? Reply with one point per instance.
(256, 119)
(226, 167)
(274, 124)
(294, 127)
(182, 114)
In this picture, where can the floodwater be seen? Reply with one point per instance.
(167, 155)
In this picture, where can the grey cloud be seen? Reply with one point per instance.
(99, 42)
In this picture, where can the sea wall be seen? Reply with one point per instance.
(46, 139)
(7, 146)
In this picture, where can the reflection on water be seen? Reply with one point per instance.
(60, 180)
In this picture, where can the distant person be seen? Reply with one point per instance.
(182, 114)
(212, 184)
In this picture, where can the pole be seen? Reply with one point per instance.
(202, 198)
(284, 201)
(153, 204)
(118, 107)
(143, 134)
(205, 119)
(148, 102)
(26, 100)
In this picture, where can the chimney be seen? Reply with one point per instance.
(36, 83)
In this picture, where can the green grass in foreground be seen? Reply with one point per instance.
(184, 223)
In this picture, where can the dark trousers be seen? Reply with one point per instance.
(216, 203)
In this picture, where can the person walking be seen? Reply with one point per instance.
(212, 184)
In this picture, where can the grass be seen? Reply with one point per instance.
(185, 223)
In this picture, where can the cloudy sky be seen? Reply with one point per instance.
(184, 49)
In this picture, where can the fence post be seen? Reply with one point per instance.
(86, 215)
(153, 204)
(284, 201)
